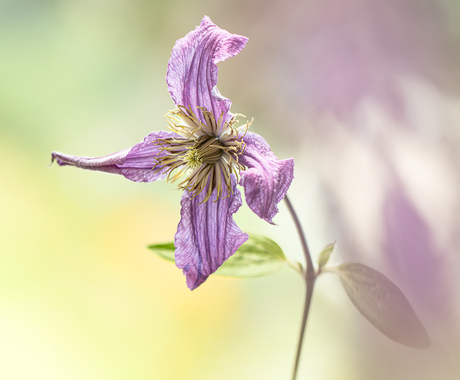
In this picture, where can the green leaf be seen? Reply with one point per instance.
(164, 250)
(326, 253)
(259, 256)
(382, 303)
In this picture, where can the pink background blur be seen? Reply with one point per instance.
(364, 94)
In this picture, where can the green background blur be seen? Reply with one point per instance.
(80, 295)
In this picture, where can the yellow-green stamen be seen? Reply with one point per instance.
(207, 152)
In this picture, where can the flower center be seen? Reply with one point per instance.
(193, 157)
(206, 152)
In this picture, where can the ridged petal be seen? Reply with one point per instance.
(137, 163)
(192, 69)
(140, 164)
(207, 234)
(267, 179)
(108, 164)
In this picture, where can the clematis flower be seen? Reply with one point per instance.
(206, 153)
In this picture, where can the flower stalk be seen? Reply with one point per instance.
(309, 275)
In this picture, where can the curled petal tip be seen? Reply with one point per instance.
(266, 179)
(61, 159)
(56, 157)
(52, 160)
(192, 70)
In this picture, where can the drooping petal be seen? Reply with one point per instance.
(137, 163)
(267, 179)
(192, 70)
(207, 234)
(107, 164)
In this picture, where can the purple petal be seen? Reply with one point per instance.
(207, 235)
(107, 164)
(140, 164)
(136, 163)
(267, 179)
(192, 69)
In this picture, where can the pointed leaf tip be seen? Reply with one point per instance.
(383, 304)
(326, 253)
(163, 250)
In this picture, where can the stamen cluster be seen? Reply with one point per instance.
(207, 153)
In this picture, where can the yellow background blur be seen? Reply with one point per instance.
(363, 94)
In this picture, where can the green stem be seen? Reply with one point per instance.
(309, 275)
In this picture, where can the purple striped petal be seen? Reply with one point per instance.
(107, 164)
(192, 69)
(207, 235)
(137, 163)
(140, 164)
(267, 179)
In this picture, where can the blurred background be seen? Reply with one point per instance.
(364, 94)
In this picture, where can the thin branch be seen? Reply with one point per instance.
(310, 277)
(298, 226)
